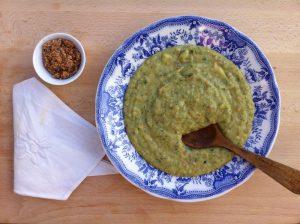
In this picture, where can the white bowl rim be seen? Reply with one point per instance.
(39, 67)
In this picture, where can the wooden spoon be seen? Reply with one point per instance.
(211, 136)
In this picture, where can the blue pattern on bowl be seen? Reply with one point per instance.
(168, 33)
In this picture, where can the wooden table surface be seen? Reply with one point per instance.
(102, 26)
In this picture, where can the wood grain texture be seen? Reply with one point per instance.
(102, 26)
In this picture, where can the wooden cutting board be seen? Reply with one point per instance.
(102, 26)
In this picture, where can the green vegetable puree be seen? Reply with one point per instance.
(180, 90)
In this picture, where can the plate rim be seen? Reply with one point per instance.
(257, 50)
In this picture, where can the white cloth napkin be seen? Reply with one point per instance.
(55, 148)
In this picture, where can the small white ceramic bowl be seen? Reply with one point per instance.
(38, 60)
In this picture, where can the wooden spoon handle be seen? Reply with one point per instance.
(285, 175)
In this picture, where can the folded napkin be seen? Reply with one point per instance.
(55, 148)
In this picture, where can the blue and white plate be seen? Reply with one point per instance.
(170, 32)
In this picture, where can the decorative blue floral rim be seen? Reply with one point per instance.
(170, 32)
